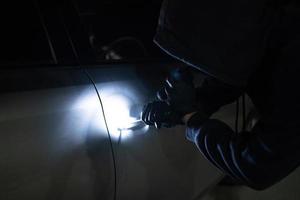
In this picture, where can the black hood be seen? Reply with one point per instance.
(224, 39)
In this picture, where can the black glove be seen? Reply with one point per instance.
(179, 91)
(160, 114)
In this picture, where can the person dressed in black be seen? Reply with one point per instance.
(243, 47)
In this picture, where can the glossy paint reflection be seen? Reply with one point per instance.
(118, 100)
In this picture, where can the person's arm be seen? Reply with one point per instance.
(254, 159)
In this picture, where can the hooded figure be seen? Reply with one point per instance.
(242, 46)
(225, 39)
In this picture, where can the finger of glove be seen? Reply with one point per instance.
(157, 125)
(162, 95)
(158, 112)
(156, 115)
(155, 112)
(174, 93)
(173, 86)
(165, 93)
(146, 113)
(170, 82)
(170, 89)
(152, 115)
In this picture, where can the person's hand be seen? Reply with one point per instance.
(179, 91)
(187, 117)
(160, 114)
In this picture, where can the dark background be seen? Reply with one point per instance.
(61, 32)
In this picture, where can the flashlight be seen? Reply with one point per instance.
(133, 126)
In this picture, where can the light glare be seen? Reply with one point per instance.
(117, 112)
(117, 103)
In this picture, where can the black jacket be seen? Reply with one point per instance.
(251, 46)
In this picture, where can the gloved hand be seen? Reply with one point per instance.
(160, 114)
(179, 91)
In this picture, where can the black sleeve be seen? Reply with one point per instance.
(213, 94)
(258, 159)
